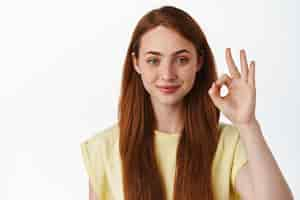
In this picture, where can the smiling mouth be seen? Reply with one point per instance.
(168, 89)
(169, 86)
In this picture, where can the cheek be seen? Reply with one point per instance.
(188, 78)
(188, 75)
(148, 81)
(148, 76)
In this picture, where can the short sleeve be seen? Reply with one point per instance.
(94, 165)
(239, 158)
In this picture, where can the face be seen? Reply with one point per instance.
(166, 59)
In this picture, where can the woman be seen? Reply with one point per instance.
(168, 142)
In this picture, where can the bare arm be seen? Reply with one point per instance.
(92, 194)
(243, 183)
(261, 175)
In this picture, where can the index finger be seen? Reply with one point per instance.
(233, 70)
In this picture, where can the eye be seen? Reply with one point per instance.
(152, 61)
(182, 60)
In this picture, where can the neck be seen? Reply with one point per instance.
(169, 118)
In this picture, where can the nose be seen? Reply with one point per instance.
(168, 72)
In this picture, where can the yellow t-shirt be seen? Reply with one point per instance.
(102, 162)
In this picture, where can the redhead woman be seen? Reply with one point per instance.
(168, 143)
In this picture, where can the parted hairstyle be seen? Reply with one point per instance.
(142, 179)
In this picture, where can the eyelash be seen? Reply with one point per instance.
(180, 58)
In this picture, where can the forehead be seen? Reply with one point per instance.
(164, 40)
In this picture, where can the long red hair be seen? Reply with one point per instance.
(142, 179)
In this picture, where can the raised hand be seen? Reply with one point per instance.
(239, 104)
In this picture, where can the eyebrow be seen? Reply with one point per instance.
(160, 54)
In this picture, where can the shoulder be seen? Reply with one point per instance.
(103, 139)
(231, 155)
(96, 154)
(229, 139)
(229, 134)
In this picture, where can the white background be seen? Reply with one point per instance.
(60, 76)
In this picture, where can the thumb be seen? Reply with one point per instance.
(214, 93)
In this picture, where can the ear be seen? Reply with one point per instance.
(200, 63)
(135, 63)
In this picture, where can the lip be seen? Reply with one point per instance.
(169, 86)
(168, 89)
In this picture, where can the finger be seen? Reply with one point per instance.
(251, 76)
(231, 65)
(224, 79)
(244, 64)
(214, 94)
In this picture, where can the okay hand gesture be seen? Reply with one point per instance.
(239, 104)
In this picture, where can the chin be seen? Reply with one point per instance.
(169, 100)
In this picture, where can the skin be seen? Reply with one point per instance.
(92, 193)
(167, 69)
(260, 178)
